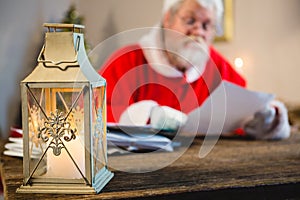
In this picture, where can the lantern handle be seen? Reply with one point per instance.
(41, 55)
(55, 26)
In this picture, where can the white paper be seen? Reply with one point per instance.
(139, 141)
(15, 148)
(142, 138)
(225, 110)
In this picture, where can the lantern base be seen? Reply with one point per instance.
(101, 179)
(55, 189)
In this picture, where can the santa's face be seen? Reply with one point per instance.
(193, 30)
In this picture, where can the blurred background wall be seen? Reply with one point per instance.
(266, 36)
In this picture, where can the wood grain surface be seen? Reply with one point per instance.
(235, 168)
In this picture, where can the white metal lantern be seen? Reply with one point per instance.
(64, 118)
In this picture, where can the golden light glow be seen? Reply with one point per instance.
(239, 63)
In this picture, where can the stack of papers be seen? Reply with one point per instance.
(15, 148)
(139, 142)
(133, 139)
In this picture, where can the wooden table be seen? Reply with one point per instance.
(235, 169)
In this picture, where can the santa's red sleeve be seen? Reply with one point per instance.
(116, 67)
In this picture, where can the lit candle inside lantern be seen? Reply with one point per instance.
(62, 166)
(65, 155)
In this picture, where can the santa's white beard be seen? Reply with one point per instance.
(186, 52)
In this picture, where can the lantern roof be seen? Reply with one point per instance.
(63, 57)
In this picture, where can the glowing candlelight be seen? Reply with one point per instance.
(62, 166)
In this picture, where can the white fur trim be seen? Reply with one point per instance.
(283, 129)
(167, 118)
(274, 127)
(152, 47)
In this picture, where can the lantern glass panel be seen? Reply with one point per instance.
(56, 129)
(99, 129)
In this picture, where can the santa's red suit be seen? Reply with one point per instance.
(130, 79)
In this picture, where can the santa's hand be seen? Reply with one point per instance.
(270, 123)
(137, 114)
(167, 118)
